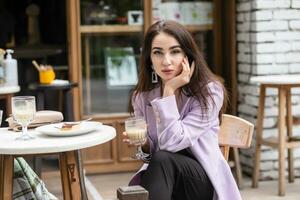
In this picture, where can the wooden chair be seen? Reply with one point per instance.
(237, 133)
(234, 132)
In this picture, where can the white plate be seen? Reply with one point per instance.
(53, 129)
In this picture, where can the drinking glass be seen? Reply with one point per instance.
(23, 111)
(136, 130)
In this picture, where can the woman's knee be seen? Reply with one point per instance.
(162, 156)
(160, 169)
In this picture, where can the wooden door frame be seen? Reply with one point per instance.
(74, 53)
(225, 48)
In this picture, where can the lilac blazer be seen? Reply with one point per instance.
(173, 127)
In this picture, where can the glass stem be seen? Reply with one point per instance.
(139, 149)
(24, 130)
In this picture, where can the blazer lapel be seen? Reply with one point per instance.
(150, 117)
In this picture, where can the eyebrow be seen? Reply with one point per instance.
(172, 47)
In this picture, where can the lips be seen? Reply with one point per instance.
(167, 71)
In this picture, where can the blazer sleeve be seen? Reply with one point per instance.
(137, 102)
(174, 133)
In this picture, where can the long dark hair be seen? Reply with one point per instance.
(197, 87)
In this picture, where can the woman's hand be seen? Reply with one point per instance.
(126, 139)
(145, 146)
(180, 80)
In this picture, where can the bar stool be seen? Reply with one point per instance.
(285, 140)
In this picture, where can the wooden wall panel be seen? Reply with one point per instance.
(99, 154)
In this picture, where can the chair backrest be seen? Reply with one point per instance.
(234, 132)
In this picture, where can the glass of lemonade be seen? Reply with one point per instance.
(23, 111)
(136, 130)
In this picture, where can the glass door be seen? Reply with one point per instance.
(111, 34)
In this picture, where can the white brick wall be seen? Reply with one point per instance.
(293, 36)
(294, 68)
(262, 15)
(243, 36)
(286, 14)
(261, 69)
(273, 25)
(263, 37)
(263, 58)
(296, 46)
(294, 25)
(295, 4)
(273, 47)
(270, 4)
(268, 42)
(244, 68)
(243, 6)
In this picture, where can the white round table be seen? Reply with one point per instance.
(65, 147)
(285, 140)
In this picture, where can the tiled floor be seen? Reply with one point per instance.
(268, 190)
(103, 187)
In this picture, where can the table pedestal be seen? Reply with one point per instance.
(6, 176)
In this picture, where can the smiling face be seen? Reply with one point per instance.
(166, 56)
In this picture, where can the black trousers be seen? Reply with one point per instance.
(176, 176)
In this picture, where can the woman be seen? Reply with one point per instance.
(182, 101)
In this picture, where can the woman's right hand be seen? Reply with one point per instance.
(181, 79)
(145, 146)
(126, 139)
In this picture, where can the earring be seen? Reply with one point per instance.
(154, 77)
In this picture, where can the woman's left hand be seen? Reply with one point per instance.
(180, 80)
